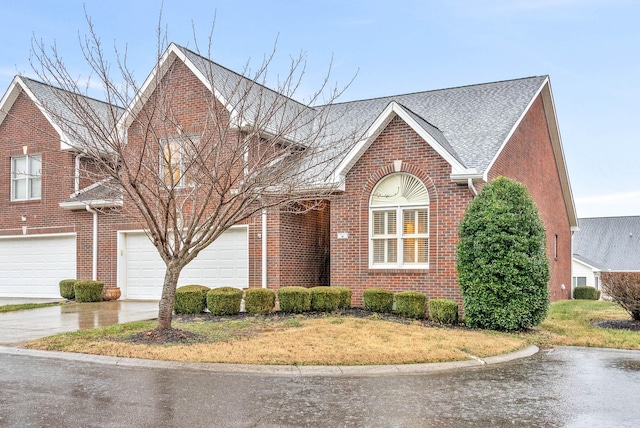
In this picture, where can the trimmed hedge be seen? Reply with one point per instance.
(443, 311)
(88, 291)
(224, 301)
(411, 304)
(294, 299)
(325, 299)
(345, 297)
(586, 293)
(378, 300)
(190, 299)
(259, 301)
(66, 289)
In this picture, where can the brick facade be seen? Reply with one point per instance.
(528, 158)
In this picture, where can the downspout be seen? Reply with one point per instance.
(94, 274)
(264, 248)
(472, 187)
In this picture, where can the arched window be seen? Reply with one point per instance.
(399, 223)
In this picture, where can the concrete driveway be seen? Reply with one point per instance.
(22, 326)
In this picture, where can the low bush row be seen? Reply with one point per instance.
(193, 299)
(81, 290)
(411, 304)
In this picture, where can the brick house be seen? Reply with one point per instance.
(402, 189)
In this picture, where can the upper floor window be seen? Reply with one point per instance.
(26, 177)
(174, 160)
(399, 223)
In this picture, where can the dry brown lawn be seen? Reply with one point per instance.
(304, 341)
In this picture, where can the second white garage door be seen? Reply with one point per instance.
(222, 264)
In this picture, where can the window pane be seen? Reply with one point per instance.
(582, 281)
(35, 166)
(378, 251)
(409, 222)
(19, 167)
(423, 221)
(392, 251)
(409, 251)
(20, 189)
(35, 188)
(422, 248)
(391, 222)
(378, 222)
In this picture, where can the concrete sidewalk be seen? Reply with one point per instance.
(22, 326)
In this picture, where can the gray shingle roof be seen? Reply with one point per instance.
(473, 120)
(470, 122)
(73, 128)
(609, 243)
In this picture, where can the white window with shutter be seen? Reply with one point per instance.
(399, 223)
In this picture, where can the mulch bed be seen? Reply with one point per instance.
(619, 324)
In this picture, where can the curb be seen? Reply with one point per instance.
(275, 370)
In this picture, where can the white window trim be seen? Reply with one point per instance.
(399, 236)
(28, 177)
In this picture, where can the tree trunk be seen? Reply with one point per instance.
(165, 311)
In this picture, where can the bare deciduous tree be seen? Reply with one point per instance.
(193, 162)
(624, 289)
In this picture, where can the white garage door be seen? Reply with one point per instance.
(222, 264)
(33, 266)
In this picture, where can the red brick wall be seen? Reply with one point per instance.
(528, 158)
(350, 214)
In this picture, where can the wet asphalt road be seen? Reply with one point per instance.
(567, 387)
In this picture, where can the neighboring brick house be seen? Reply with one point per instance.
(605, 246)
(392, 223)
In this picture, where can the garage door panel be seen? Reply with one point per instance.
(33, 266)
(223, 263)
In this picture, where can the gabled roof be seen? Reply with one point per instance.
(48, 99)
(608, 243)
(472, 123)
(248, 102)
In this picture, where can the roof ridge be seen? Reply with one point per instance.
(442, 89)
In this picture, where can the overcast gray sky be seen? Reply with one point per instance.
(589, 48)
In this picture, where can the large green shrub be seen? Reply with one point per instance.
(411, 304)
(378, 300)
(325, 299)
(586, 293)
(503, 270)
(66, 288)
(259, 301)
(224, 301)
(294, 299)
(88, 291)
(443, 311)
(190, 299)
(345, 297)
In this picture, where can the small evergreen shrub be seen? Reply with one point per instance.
(345, 297)
(66, 289)
(294, 300)
(259, 301)
(378, 300)
(224, 301)
(411, 304)
(443, 311)
(586, 293)
(190, 299)
(325, 299)
(88, 291)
